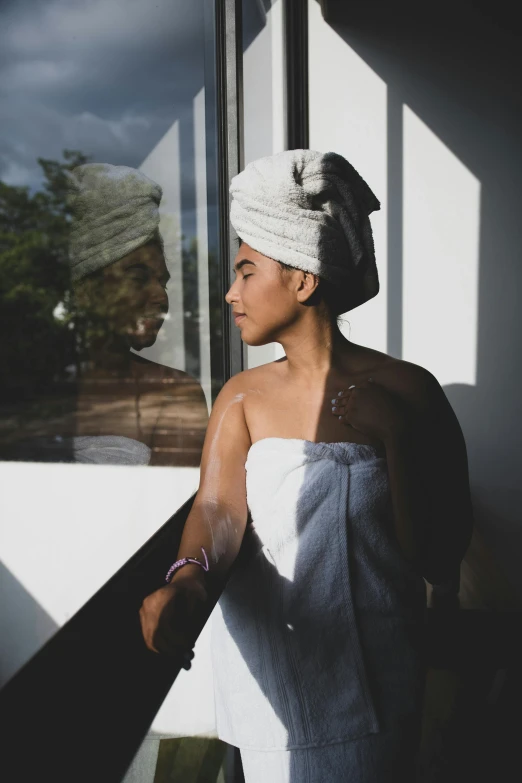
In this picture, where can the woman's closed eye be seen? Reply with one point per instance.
(137, 276)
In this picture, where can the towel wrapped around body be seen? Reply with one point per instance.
(318, 637)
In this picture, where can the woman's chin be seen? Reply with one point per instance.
(255, 342)
(139, 341)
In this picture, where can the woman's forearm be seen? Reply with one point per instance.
(219, 529)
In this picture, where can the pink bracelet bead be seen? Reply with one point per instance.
(184, 560)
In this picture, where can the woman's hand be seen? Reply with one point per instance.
(372, 410)
(172, 617)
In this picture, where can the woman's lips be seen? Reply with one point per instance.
(239, 317)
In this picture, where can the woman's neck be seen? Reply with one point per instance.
(316, 350)
(110, 355)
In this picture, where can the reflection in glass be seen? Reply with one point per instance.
(118, 364)
(112, 406)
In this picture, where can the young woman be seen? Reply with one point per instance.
(341, 475)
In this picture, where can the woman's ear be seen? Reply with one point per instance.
(308, 285)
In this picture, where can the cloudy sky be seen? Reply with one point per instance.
(107, 77)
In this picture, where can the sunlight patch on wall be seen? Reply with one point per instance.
(100, 517)
(60, 560)
(441, 222)
(348, 115)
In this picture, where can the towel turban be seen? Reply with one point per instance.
(115, 210)
(310, 210)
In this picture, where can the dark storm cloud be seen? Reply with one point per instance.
(108, 77)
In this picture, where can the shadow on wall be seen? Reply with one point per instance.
(24, 625)
(458, 71)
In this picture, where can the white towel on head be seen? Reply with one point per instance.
(114, 211)
(310, 210)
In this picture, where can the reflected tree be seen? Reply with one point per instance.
(38, 342)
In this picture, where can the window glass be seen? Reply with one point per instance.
(110, 293)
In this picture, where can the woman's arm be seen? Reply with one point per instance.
(218, 518)
(429, 481)
(171, 616)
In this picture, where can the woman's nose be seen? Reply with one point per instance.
(158, 295)
(231, 295)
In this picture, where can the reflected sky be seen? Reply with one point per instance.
(107, 77)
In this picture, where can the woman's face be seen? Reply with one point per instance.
(136, 286)
(130, 299)
(264, 295)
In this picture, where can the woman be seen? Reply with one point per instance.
(341, 474)
(122, 408)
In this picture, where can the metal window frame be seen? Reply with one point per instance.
(295, 21)
(229, 70)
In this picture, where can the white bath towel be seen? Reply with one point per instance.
(317, 638)
(310, 210)
(114, 211)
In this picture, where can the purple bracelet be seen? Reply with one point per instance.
(184, 560)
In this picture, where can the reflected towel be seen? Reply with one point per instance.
(87, 449)
(115, 210)
(109, 450)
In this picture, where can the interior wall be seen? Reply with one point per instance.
(431, 115)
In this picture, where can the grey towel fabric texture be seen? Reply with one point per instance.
(317, 638)
(310, 210)
(109, 450)
(86, 449)
(115, 210)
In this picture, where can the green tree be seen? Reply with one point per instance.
(35, 344)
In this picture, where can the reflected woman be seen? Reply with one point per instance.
(139, 411)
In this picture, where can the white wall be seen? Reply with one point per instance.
(348, 116)
(264, 128)
(435, 128)
(66, 529)
(440, 256)
(52, 563)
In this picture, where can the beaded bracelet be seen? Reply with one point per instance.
(184, 560)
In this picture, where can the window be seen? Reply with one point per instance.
(111, 299)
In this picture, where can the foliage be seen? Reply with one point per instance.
(36, 344)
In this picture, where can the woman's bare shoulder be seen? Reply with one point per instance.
(411, 381)
(257, 378)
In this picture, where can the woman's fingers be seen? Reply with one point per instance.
(340, 402)
(174, 645)
(175, 634)
(147, 630)
(170, 620)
